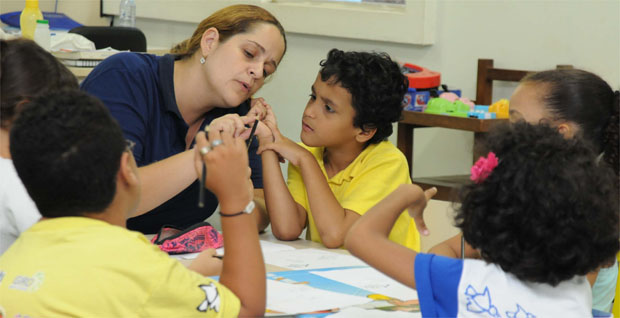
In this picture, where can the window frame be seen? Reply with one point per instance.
(335, 19)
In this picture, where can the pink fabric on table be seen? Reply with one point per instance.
(194, 239)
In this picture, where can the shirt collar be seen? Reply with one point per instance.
(348, 173)
(166, 83)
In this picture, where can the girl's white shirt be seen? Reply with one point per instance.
(17, 210)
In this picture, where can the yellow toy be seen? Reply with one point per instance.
(501, 108)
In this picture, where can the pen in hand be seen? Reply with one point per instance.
(201, 191)
(252, 133)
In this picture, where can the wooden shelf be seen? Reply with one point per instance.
(446, 185)
(419, 119)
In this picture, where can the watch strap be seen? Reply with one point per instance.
(247, 210)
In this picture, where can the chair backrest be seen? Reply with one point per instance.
(487, 74)
(120, 38)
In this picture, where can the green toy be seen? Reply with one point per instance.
(440, 106)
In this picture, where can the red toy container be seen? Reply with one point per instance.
(421, 78)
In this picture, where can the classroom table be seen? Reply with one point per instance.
(346, 287)
(269, 237)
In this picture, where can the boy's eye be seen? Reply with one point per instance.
(329, 109)
(312, 96)
(265, 74)
(248, 54)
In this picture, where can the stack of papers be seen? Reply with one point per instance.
(84, 58)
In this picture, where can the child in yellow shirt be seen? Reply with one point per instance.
(345, 164)
(81, 261)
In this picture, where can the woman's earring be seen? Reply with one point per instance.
(202, 60)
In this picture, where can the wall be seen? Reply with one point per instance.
(524, 34)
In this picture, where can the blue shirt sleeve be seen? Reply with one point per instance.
(437, 281)
(120, 83)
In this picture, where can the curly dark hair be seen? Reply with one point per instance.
(547, 212)
(27, 71)
(376, 84)
(66, 148)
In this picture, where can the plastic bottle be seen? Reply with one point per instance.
(127, 13)
(42, 34)
(28, 18)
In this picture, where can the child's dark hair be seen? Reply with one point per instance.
(547, 212)
(587, 100)
(66, 149)
(376, 84)
(27, 71)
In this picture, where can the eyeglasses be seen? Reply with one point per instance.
(129, 144)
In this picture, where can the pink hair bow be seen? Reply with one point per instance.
(483, 167)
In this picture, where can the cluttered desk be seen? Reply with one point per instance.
(305, 279)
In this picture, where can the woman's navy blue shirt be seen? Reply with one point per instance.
(138, 89)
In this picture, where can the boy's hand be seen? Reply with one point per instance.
(226, 159)
(206, 264)
(263, 132)
(283, 146)
(258, 108)
(416, 209)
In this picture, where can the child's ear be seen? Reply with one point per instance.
(364, 135)
(567, 129)
(128, 171)
(209, 41)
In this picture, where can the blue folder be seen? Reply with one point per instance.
(58, 21)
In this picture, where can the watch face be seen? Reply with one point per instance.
(250, 207)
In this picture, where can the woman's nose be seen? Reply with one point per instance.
(256, 70)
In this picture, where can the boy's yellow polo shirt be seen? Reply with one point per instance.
(374, 174)
(81, 267)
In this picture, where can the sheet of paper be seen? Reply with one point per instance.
(266, 246)
(356, 312)
(310, 258)
(301, 298)
(371, 280)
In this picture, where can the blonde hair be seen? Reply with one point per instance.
(228, 21)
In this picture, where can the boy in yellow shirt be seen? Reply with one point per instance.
(80, 261)
(345, 164)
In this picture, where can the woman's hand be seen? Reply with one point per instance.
(233, 124)
(416, 209)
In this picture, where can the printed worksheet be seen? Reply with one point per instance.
(285, 297)
(370, 279)
(310, 258)
(266, 247)
(334, 296)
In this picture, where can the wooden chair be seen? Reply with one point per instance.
(484, 96)
(487, 74)
(120, 38)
